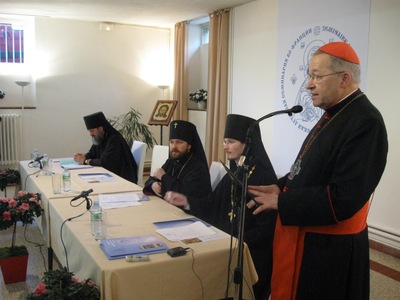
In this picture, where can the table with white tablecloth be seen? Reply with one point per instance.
(199, 274)
(33, 179)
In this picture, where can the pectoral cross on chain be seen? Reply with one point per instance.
(295, 169)
(175, 124)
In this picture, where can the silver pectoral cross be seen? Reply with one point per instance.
(295, 169)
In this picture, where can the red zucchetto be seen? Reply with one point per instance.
(341, 50)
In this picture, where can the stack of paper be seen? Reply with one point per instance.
(196, 230)
(108, 201)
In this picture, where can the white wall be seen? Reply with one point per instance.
(254, 59)
(83, 70)
(383, 72)
(254, 82)
(197, 76)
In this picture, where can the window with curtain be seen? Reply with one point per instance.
(205, 33)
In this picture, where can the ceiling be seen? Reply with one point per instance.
(156, 13)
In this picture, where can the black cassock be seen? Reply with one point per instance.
(334, 179)
(259, 229)
(114, 155)
(188, 175)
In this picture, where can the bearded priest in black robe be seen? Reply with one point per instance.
(109, 150)
(186, 169)
(222, 207)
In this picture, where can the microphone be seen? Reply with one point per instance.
(294, 110)
(83, 194)
(37, 159)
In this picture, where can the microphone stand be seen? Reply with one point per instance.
(41, 168)
(238, 273)
(88, 202)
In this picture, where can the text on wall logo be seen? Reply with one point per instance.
(294, 73)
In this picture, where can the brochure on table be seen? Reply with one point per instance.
(120, 247)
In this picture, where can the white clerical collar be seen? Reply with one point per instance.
(347, 96)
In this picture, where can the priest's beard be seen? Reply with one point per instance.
(97, 140)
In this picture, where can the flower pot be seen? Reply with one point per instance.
(202, 104)
(14, 268)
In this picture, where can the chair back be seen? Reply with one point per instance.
(217, 171)
(139, 154)
(160, 155)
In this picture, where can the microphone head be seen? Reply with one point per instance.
(38, 159)
(296, 109)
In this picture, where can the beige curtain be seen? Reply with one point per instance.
(217, 85)
(181, 70)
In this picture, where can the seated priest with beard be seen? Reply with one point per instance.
(221, 208)
(186, 170)
(109, 150)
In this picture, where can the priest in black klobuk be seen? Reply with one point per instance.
(186, 170)
(109, 150)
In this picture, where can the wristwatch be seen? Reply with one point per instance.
(85, 162)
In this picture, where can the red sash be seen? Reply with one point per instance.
(288, 251)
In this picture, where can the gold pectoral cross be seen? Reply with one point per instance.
(252, 170)
(231, 215)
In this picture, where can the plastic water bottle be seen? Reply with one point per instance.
(66, 176)
(34, 155)
(96, 220)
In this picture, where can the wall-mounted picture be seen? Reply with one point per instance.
(162, 112)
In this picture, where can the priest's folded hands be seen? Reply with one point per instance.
(177, 199)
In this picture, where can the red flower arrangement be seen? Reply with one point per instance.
(61, 284)
(23, 207)
(8, 176)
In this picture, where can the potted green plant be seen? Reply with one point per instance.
(200, 97)
(8, 176)
(132, 129)
(23, 207)
(61, 284)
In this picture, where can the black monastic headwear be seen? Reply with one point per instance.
(186, 131)
(96, 120)
(236, 128)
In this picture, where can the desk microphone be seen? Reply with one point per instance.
(83, 194)
(37, 159)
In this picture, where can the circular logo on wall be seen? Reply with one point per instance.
(294, 73)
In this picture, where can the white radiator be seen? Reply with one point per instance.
(9, 139)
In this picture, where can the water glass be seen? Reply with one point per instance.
(56, 182)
